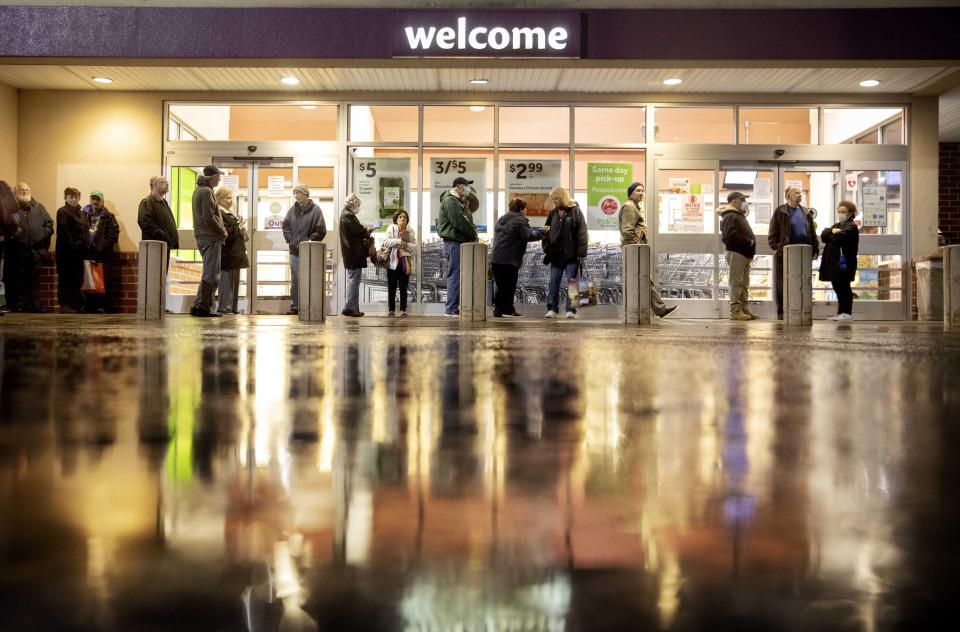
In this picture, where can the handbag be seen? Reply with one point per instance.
(93, 278)
(383, 257)
(581, 290)
(406, 264)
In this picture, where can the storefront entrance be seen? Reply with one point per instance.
(262, 193)
(691, 266)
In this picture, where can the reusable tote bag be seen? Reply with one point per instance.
(581, 289)
(93, 278)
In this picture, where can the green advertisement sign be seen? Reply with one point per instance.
(607, 184)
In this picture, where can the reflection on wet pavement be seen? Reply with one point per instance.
(259, 474)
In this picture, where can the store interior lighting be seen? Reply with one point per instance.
(289, 80)
(477, 108)
(102, 79)
(672, 82)
(869, 83)
(479, 82)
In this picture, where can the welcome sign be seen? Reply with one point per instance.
(487, 34)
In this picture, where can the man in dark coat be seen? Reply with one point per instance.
(303, 222)
(791, 224)
(24, 252)
(8, 221)
(354, 250)
(210, 233)
(103, 233)
(741, 245)
(71, 249)
(155, 217)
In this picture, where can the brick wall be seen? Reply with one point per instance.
(950, 191)
(121, 284)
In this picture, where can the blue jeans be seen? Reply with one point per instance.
(451, 251)
(295, 281)
(353, 289)
(210, 278)
(553, 296)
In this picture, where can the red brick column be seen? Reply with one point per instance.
(121, 284)
(949, 216)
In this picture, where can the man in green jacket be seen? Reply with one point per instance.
(633, 230)
(455, 226)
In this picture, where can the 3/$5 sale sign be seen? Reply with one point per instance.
(444, 170)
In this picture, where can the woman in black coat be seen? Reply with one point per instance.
(839, 262)
(233, 255)
(71, 251)
(510, 239)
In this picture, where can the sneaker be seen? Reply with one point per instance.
(391, 314)
(740, 316)
(572, 315)
(666, 312)
(403, 314)
(293, 311)
(451, 315)
(844, 316)
(551, 314)
(513, 315)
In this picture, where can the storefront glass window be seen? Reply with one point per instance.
(685, 275)
(685, 201)
(610, 126)
(262, 122)
(458, 124)
(534, 125)
(765, 126)
(693, 125)
(863, 126)
(879, 199)
(384, 123)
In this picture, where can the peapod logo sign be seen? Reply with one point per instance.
(487, 34)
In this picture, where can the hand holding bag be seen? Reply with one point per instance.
(93, 281)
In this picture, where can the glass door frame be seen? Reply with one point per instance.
(295, 154)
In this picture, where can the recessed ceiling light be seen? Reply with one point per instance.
(289, 80)
(479, 82)
(869, 83)
(102, 79)
(477, 108)
(309, 107)
(672, 82)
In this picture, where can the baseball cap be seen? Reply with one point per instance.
(461, 180)
(211, 170)
(97, 194)
(735, 195)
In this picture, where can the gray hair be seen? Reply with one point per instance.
(352, 202)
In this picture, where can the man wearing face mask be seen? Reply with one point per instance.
(790, 225)
(634, 231)
(455, 226)
(741, 245)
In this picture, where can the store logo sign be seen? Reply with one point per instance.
(510, 34)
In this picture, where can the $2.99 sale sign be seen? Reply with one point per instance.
(532, 180)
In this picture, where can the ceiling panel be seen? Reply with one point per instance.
(950, 116)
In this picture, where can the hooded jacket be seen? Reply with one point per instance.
(454, 222)
(303, 225)
(846, 243)
(207, 222)
(567, 240)
(511, 234)
(735, 231)
(35, 227)
(354, 241)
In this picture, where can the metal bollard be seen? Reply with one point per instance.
(798, 285)
(313, 294)
(473, 282)
(636, 284)
(951, 288)
(151, 280)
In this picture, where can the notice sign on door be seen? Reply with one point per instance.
(231, 182)
(275, 186)
(874, 206)
(533, 180)
(443, 171)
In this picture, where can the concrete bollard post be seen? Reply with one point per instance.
(313, 292)
(152, 280)
(951, 288)
(636, 284)
(798, 285)
(473, 282)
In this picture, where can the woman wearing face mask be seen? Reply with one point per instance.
(839, 262)
(402, 242)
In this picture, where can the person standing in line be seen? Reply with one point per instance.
(155, 217)
(355, 250)
(8, 223)
(741, 245)
(24, 252)
(233, 257)
(402, 242)
(633, 230)
(455, 226)
(103, 233)
(303, 222)
(70, 250)
(511, 235)
(565, 246)
(210, 233)
(791, 224)
(839, 263)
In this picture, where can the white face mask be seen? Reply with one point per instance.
(744, 208)
(842, 217)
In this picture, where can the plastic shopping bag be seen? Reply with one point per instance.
(93, 282)
(581, 290)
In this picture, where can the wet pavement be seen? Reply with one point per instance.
(262, 474)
